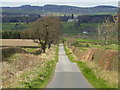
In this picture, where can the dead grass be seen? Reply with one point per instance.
(17, 42)
(110, 76)
(24, 62)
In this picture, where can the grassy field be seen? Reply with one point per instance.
(89, 25)
(73, 28)
(14, 26)
(96, 79)
(93, 43)
(104, 13)
(67, 27)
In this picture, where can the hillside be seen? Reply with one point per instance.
(58, 9)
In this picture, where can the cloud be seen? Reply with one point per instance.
(59, 0)
(80, 3)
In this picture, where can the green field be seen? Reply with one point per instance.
(67, 27)
(94, 44)
(73, 28)
(104, 13)
(14, 26)
(83, 44)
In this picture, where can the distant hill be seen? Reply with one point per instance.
(58, 9)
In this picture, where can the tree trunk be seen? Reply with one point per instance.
(43, 46)
(44, 50)
(49, 45)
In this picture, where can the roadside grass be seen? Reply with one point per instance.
(88, 72)
(42, 75)
(39, 76)
(69, 54)
(91, 77)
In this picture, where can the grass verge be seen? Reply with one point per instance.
(91, 77)
(69, 54)
(88, 72)
(39, 76)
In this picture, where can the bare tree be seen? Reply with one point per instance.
(106, 32)
(45, 31)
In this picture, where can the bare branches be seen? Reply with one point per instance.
(106, 32)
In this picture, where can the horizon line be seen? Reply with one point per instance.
(60, 5)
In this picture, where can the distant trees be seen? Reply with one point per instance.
(94, 18)
(64, 18)
(44, 31)
(106, 32)
(20, 18)
(11, 34)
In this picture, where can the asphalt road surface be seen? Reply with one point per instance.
(67, 74)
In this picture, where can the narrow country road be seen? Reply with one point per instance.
(67, 74)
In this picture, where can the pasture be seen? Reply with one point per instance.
(74, 28)
(14, 26)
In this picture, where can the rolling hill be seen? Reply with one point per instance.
(58, 9)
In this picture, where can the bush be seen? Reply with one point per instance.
(87, 45)
(7, 52)
(76, 44)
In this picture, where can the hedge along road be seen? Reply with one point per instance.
(67, 74)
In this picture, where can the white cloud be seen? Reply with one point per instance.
(60, 0)
(79, 3)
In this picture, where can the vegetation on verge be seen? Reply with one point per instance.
(38, 76)
(43, 74)
(91, 77)
(69, 54)
(88, 72)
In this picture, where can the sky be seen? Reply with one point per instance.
(79, 3)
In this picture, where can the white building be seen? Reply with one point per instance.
(72, 20)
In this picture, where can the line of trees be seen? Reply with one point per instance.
(11, 34)
(44, 31)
